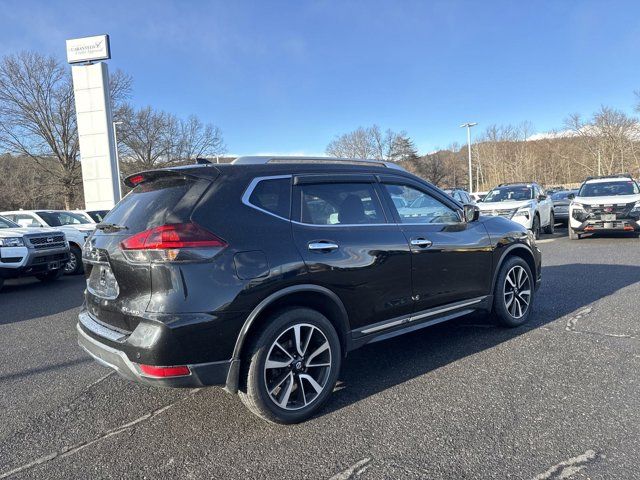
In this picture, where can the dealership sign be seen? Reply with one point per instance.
(88, 49)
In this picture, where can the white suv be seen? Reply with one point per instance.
(605, 204)
(75, 227)
(38, 252)
(524, 203)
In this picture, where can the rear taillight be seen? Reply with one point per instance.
(172, 243)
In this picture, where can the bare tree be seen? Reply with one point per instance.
(153, 138)
(196, 139)
(38, 118)
(371, 142)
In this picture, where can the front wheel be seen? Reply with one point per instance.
(552, 224)
(513, 293)
(74, 265)
(292, 366)
(573, 235)
(535, 227)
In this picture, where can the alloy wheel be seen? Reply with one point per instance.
(517, 291)
(297, 366)
(71, 265)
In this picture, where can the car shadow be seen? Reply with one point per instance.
(28, 298)
(379, 366)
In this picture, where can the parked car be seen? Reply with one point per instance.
(605, 204)
(25, 252)
(524, 203)
(460, 195)
(94, 216)
(262, 274)
(478, 196)
(75, 227)
(561, 203)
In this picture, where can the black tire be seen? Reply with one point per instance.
(1, 283)
(573, 235)
(535, 227)
(74, 265)
(549, 229)
(50, 276)
(505, 312)
(258, 380)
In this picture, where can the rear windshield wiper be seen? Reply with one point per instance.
(114, 227)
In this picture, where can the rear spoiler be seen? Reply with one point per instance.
(208, 172)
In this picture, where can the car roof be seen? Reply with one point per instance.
(293, 168)
(609, 179)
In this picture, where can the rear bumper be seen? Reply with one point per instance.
(202, 374)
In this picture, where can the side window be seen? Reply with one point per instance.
(340, 204)
(458, 196)
(273, 195)
(26, 220)
(421, 206)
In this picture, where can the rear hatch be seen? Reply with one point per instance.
(118, 286)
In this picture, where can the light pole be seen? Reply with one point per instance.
(115, 144)
(468, 125)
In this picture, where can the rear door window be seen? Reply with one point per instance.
(340, 204)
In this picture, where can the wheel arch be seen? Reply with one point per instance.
(309, 296)
(517, 250)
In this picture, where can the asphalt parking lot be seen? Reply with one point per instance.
(558, 398)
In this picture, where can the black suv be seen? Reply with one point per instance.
(262, 274)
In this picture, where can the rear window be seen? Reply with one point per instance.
(157, 202)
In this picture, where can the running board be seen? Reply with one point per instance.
(421, 315)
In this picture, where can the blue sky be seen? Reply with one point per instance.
(287, 77)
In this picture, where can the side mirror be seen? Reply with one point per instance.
(571, 196)
(542, 197)
(471, 213)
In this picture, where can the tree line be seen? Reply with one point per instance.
(40, 166)
(605, 143)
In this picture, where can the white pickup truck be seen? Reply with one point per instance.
(39, 252)
(75, 227)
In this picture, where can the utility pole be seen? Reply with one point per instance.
(468, 126)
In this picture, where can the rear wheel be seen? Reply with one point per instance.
(50, 276)
(513, 293)
(552, 224)
(292, 367)
(74, 265)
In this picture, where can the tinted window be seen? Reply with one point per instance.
(98, 215)
(422, 207)
(509, 193)
(560, 196)
(340, 204)
(57, 219)
(274, 196)
(605, 189)
(153, 203)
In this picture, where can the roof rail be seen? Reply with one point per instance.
(263, 160)
(516, 183)
(615, 175)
